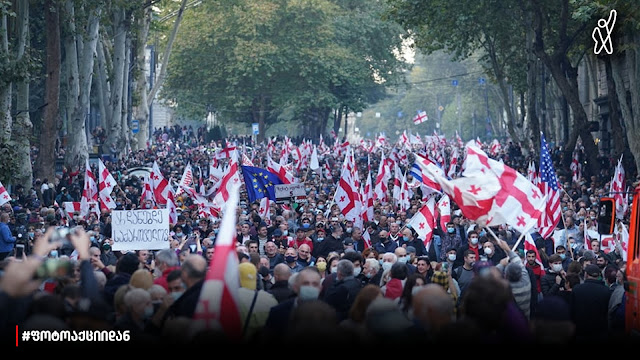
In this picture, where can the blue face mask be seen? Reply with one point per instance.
(451, 230)
(54, 253)
(320, 239)
(482, 233)
(562, 256)
(306, 225)
(405, 238)
(215, 231)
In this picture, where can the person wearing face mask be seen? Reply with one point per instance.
(553, 281)
(404, 257)
(410, 238)
(290, 258)
(137, 316)
(307, 286)
(566, 260)
(473, 244)
(385, 244)
(370, 269)
(448, 239)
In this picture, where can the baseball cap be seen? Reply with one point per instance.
(592, 270)
(248, 275)
(348, 241)
(277, 232)
(411, 250)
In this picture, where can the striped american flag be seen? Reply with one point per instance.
(549, 187)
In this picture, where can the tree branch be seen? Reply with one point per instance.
(167, 53)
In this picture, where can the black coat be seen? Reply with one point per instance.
(342, 295)
(281, 291)
(186, 304)
(278, 320)
(590, 309)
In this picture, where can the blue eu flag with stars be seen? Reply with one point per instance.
(260, 183)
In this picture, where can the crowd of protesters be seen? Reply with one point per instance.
(306, 272)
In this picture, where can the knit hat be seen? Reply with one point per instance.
(248, 275)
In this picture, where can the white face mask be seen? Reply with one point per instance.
(556, 267)
(356, 271)
(308, 293)
(452, 257)
(334, 269)
(386, 266)
(488, 251)
(474, 241)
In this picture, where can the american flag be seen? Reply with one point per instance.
(548, 185)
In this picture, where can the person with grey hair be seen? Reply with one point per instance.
(344, 290)
(138, 310)
(166, 262)
(518, 277)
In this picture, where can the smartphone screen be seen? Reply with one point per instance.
(19, 251)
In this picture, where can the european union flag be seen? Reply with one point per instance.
(259, 183)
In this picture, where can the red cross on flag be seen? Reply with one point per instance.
(229, 180)
(159, 185)
(4, 195)
(90, 191)
(280, 170)
(382, 179)
(423, 222)
(367, 200)
(147, 193)
(347, 196)
(494, 193)
(171, 205)
(218, 306)
(106, 185)
(444, 208)
(616, 188)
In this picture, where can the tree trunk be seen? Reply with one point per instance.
(126, 134)
(504, 91)
(102, 88)
(77, 150)
(629, 109)
(533, 123)
(45, 162)
(617, 131)
(141, 109)
(337, 120)
(22, 128)
(71, 62)
(5, 85)
(114, 137)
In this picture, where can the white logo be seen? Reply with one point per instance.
(604, 43)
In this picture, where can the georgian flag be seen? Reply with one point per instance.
(444, 208)
(89, 192)
(367, 239)
(616, 188)
(382, 179)
(147, 193)
(453, 163)
(423, 222)
(492, 192)
(347, 196)
(218, 305)
(159, 185)
(367, 200)
(171, 205)
(285, 176)
(106, 185)
(229, 180)
(263, 210)
(4, 195)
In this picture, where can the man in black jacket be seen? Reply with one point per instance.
(344, 290)
(590, 306)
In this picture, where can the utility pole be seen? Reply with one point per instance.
(455, 84)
